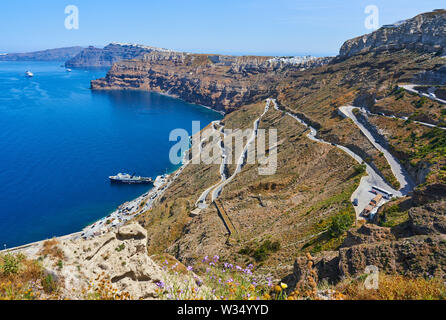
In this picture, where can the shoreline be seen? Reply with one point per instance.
(162, 94)
(123, 213)
(129, 209)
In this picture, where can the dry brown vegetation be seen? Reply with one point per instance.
(25, 279)
(313, 183)
(394, 287)
(402, 103)
(51, 248)
(296, 206)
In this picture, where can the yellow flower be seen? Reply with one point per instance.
(277, 288)
(283, 285)
(266, 296)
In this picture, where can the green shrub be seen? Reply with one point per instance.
(340, 224)
(49, 284)
(11, 264)
(360, 169)
(120, 247)
(262, 252)
(421, 102)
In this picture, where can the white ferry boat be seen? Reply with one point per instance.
(130, 179)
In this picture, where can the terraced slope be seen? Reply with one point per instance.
(306, 204)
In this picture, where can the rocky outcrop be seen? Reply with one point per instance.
(60, 54)
(105, 57)
(325, 265)
(218, 81)
(425, 32)
(430, 193)
(428, 219)
(368, 233)
(419, 256)
(420, 253)
(119, 257)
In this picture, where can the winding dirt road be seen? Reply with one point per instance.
(363, 193)
(218, 188)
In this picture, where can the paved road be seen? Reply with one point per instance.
(242, 160)
(430, 95)
(218, 187)
(201, 202)
(398, 170)
(363, 192)
(430, 125)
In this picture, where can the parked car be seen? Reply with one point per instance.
(355, 202)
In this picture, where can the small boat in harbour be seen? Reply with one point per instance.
(29, 74)
(130, 179)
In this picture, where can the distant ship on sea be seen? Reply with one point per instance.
(29, 74)
(130, 179)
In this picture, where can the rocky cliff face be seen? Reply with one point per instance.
(218, 81)
(426, 31)
(60, 54)
(114, 52)
(422, 253)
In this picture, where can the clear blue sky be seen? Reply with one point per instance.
(280, 27)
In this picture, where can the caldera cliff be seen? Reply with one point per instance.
(218, 81)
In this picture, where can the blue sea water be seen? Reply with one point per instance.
(59, 142)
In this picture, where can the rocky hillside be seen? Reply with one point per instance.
(420, 252)
(61, 54)
(426, 32)
(112, 266)
(306, 204)
(271, 221)
(105, 57)
(218, 81)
